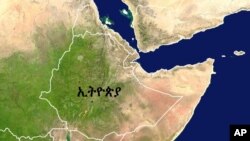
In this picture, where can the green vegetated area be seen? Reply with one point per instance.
(87, 65)
(39, 139)
(6, 136)
(68, 138)
(23, 76)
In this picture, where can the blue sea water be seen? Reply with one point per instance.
(121, 24)
(227, 100)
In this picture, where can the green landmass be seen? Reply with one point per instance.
(23, 76)
(39, 139)
(68, 137)
(6, 136)
(87, 65)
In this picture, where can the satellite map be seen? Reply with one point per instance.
(124, 70)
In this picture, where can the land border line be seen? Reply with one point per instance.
(46, 92)
(65, 122)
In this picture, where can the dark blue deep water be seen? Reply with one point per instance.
(227, 100)
(121, 24)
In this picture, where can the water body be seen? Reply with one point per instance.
(227, 100)
(212, 43)
(121, 23)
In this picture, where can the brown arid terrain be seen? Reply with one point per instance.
(60, 35)
(190, 83)
(164, 22)
(20, 19)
